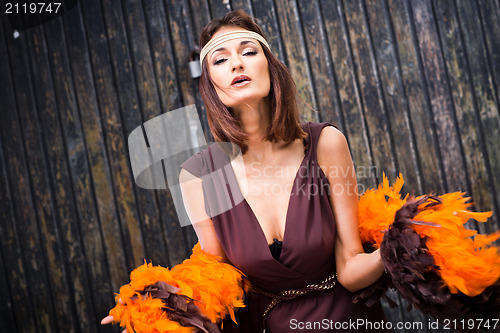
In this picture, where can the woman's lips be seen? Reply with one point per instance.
(240, 81)
(241, 84)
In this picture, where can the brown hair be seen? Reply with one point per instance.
(282, 96)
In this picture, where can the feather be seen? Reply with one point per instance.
(190, 297)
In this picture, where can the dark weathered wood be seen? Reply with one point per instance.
(393, 94)
(414, 85)
(485, 104)
(420, 118)
(371, 104)
(490, 17)
(170, 99)
(439, 95)
(21, 317)
(120, 174)
(76, 93)
(219, 7)
(265, 11)
(200, 16)
(98, 186)
(296, 57)
(64, 196)
(126, 86)
(245, 5)
(15, 274)
(465, 103)
(184, 40)
(39, 174)
(341, 54)
(18, 164)
(7, 314)
(318, 53)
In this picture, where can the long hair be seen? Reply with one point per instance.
(285, 124)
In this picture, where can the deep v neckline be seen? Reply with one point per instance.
(306, 145)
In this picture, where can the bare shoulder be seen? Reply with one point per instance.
(331, 143)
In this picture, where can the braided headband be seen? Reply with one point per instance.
(228, 36)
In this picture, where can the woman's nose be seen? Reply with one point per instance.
(237, 64)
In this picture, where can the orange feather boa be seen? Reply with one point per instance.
(467, 261)
(215, 287)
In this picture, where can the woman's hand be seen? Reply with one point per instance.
(110, 319)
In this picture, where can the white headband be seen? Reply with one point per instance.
(228, 36)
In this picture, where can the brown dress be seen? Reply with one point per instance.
(306, 256)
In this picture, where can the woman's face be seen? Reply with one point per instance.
(239, 70)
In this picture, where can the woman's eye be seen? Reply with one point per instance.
(219, 61)
(250, 53)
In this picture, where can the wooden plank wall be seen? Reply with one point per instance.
(413, 84)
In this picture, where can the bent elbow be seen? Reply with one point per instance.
(348, 284)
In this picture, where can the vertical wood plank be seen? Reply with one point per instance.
(100, 191)
(465, 104)
(372, 105)
(296, 57)
(15, 272)
(149, 98)
(393, 95)
(423, 129)
(489, 17)
(126, 87)
(184, 39)
(348, 90)
(439, 94)
(265, 12)
(91, 174)
(120, 174)
(6, 311)
(324, 83)
(24, 210)
(166, 76)
(219, 8)
(486, 103)
(64, 195)
(43, 92)
(245, 5)
(200, 16)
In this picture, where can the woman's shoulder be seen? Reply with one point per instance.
(215, 156)
(196, 163)
(316, 131)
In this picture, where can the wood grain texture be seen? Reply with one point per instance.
(21, 187)
(350, 101)
(130, 109)
(485, 100)
(120, 179)
(40, 179)
(392, 95)
(371, 104)
(296, 57)
(15, 273)
(265, 11)
(439, 95)
(420, 117)
(318, 53)
(64, 195)
(414, 86)
(465, 103)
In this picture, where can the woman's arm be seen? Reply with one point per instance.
(355, 269)
(192, 196)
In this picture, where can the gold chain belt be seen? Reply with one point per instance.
(286, 295)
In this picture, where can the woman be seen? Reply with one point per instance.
(297, 224)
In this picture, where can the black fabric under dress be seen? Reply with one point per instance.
(306, 255)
